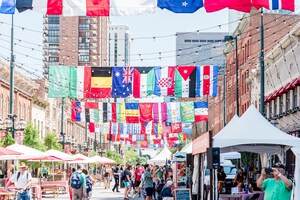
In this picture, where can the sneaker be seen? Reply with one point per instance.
(113, 190)
(118, 191)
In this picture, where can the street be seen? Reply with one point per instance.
(98, 193)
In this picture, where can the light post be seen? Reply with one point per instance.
(226, 39)
(11, 80)
(10, 124)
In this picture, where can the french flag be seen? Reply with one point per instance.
(78, 111)
(206, 80)
(275, 4)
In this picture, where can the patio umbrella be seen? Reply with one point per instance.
(8, 152)
(25, 152)
(61, 155)
(79, 158)
(103, 160)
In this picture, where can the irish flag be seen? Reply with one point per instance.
(80, 81)
(143, 81)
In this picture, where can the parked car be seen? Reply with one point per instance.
(230, 171)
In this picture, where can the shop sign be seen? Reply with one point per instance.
(201, 143)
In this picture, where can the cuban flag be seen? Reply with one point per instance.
(78, 111)
(275, 4)
(206, 80)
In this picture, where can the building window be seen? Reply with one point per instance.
(63, 31)
(63, 25)
(28, 113)
(281, 104)
(73, 25)
(187, 40)
(24, 112)
(288, 102)
(295, 98)
(1, 106)
(84, 58)
(73, 32)
(275, 107)
(73, 38)
(73, 44)
(63, 19)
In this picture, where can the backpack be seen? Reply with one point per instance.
(123, 176)
(75, 180)
(19, 174)
(88, 184)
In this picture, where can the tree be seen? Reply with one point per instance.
(131, 157)
(50, 142)
(31, 138)
(115, 156)
(7, 140)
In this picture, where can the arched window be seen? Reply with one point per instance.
(7, 106)
(20, 110)
(28, 113)
(1, 107)
(24, 112)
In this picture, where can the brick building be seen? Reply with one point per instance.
(276, 26)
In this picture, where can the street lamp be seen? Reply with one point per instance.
(10, 124)
(228, 38)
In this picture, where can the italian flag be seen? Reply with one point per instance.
(80, 81)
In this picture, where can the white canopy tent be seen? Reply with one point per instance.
(61, 155)
(103, 160)
(162, 157)
(79, 158)
(253, 133)
(26, 152)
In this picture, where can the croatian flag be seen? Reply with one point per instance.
(78, 113)
(275, 4)
(164, 81)
(206, 80)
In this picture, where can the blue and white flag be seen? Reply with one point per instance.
(122, 81)
(180, 6)
(173, 112)
(7, 6)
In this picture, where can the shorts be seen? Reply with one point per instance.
(149, 192)
(127, 184)
(137, 183)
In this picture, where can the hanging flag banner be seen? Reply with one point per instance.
(143, 81)
(187, 111)
(121, 81)
(59, 80)
(206, 80)
(201, 111)
(187, 6)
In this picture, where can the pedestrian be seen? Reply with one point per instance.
(166, 192)
(149, 175)
(78, 184)
(107, 177)
(127, 182)
(22, 180)
(89, 183)
(70, 172)
(277, 187)
(138, 175)
(116, 175)
(221, 179)
(44, 171)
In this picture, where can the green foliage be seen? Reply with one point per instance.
(131, 157)
(114, 156)
(142, 160)
(7, 140)
(51, 142)
(31, 138)
(177, 148)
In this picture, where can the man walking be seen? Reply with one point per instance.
(78, 184)
(116, 174)
(22, 180)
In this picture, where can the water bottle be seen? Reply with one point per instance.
(246, 186)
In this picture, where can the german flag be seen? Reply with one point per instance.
(101, 82)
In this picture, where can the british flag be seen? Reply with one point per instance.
(127, 74)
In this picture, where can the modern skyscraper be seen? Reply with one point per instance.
(75, 41)
(118, 49)
(203, 48)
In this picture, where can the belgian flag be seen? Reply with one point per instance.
(101, 82)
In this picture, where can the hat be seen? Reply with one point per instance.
(22, 165)
(279, 165)
(169, 183)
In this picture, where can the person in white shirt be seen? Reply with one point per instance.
(22, 180)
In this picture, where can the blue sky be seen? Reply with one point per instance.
(161, 23)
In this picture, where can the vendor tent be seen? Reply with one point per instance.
(61, 155)
(82, 159)
(162, 157)
(253, 133)
(188, 148)
(103, 160)
(26, 152)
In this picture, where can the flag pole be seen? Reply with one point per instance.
(262, 64)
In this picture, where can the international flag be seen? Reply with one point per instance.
(80, 81)
(132, 112)
(102, 112)
(66, 7)
(185, 81)
(7, 6)
(164, 81)
(91, 105)
(143, 81)
(167, 127)
(239, 5)
(101, 82)
(109, 112)
(173, 112)
(159, 112)
(187, 128)
(78, 111)
(206, 80)
(176, 127)
(92, 115)
(59, 82)
(131, 7)
(121, 81)
(115, 128)
(183, 6)
(145, 112)
(275, 4)
(147, 128)
(158, 128)
(201, 111)
(94, 127)
(187, 111)
(118, 112)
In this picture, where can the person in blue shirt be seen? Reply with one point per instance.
(167, 190)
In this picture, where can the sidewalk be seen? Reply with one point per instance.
(99, 193)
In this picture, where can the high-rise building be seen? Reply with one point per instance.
(75, 41)
(203, 48)
(118, 36)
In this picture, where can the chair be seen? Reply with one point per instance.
(255, 196)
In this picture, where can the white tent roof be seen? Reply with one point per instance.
(79, 158)
(253, 133)
(230, 155)
(27, 152)
(61, 155)
(161, 157)
(103, 160)
(188, 148)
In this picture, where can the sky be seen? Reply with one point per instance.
(28, 34)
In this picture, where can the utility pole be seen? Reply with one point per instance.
(62, 123)
(262, 65)
(12, 82)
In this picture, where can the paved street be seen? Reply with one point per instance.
(98, 193)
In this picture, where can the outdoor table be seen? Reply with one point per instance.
(240, 196)
(5, 194)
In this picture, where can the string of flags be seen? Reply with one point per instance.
(136, 82)
(136, 7)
